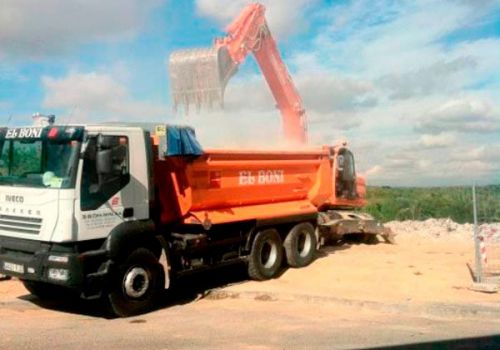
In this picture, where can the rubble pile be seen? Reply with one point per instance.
(490, 232)
(441, 228)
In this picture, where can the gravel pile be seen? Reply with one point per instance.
(442, 228)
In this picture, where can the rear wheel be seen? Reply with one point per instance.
(300, 245)
(137, 285)
(266, 255)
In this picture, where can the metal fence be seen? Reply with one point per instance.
(489, 251)
(486, 237)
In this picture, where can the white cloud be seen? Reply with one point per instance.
(413, 165)
(403, 43)
(465, 115)
(437, 141)
(489, 153)
(375, 170)
(463, 109)
(49, 27)
(284, 17)
(438, 77)
(326, 92)
(96, 97)
(322, 93)
(434, 91)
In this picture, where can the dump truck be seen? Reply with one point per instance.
(118, 212)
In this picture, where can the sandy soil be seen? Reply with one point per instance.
(414, 291)
(417, 269)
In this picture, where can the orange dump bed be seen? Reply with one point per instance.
(226, 186)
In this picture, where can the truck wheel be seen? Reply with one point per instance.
(137, 285)
(45, 290)
(300, 245)
(266, 255)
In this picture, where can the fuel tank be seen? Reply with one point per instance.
(232, 185)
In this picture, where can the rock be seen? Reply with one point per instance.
(442, 228)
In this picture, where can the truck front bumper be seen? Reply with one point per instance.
(55, 264)
(39, 261)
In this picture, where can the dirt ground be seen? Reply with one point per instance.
(351, 296)
(416, 270)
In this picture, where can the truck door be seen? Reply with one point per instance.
(106, 190)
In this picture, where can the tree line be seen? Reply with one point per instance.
(397, 203)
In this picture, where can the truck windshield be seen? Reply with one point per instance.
(47, 157)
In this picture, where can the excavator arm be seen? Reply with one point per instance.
(199, 76)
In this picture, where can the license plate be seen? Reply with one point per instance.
(8, 266)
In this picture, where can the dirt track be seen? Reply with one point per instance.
(352, 296)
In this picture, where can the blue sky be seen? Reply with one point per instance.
(414, 86)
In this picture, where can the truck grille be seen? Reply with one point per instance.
(20, 224)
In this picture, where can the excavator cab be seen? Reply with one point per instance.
(199, 76)
(345, 184)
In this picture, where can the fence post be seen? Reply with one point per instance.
(479, 267)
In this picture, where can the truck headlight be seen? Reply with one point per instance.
(58, 274)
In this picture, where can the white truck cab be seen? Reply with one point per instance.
(63, 190)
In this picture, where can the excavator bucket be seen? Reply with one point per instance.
(199, 76)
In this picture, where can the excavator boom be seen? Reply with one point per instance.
(199, 76)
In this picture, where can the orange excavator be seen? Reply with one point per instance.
(199, 77)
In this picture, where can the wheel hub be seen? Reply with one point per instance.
(269, 254)
(304, 244)
(136, 282)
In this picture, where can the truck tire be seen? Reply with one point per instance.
(137, 285)
(300, 245)
(266, 255)
(45, 291)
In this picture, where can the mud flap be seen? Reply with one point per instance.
(164, 261)
(166, 268)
